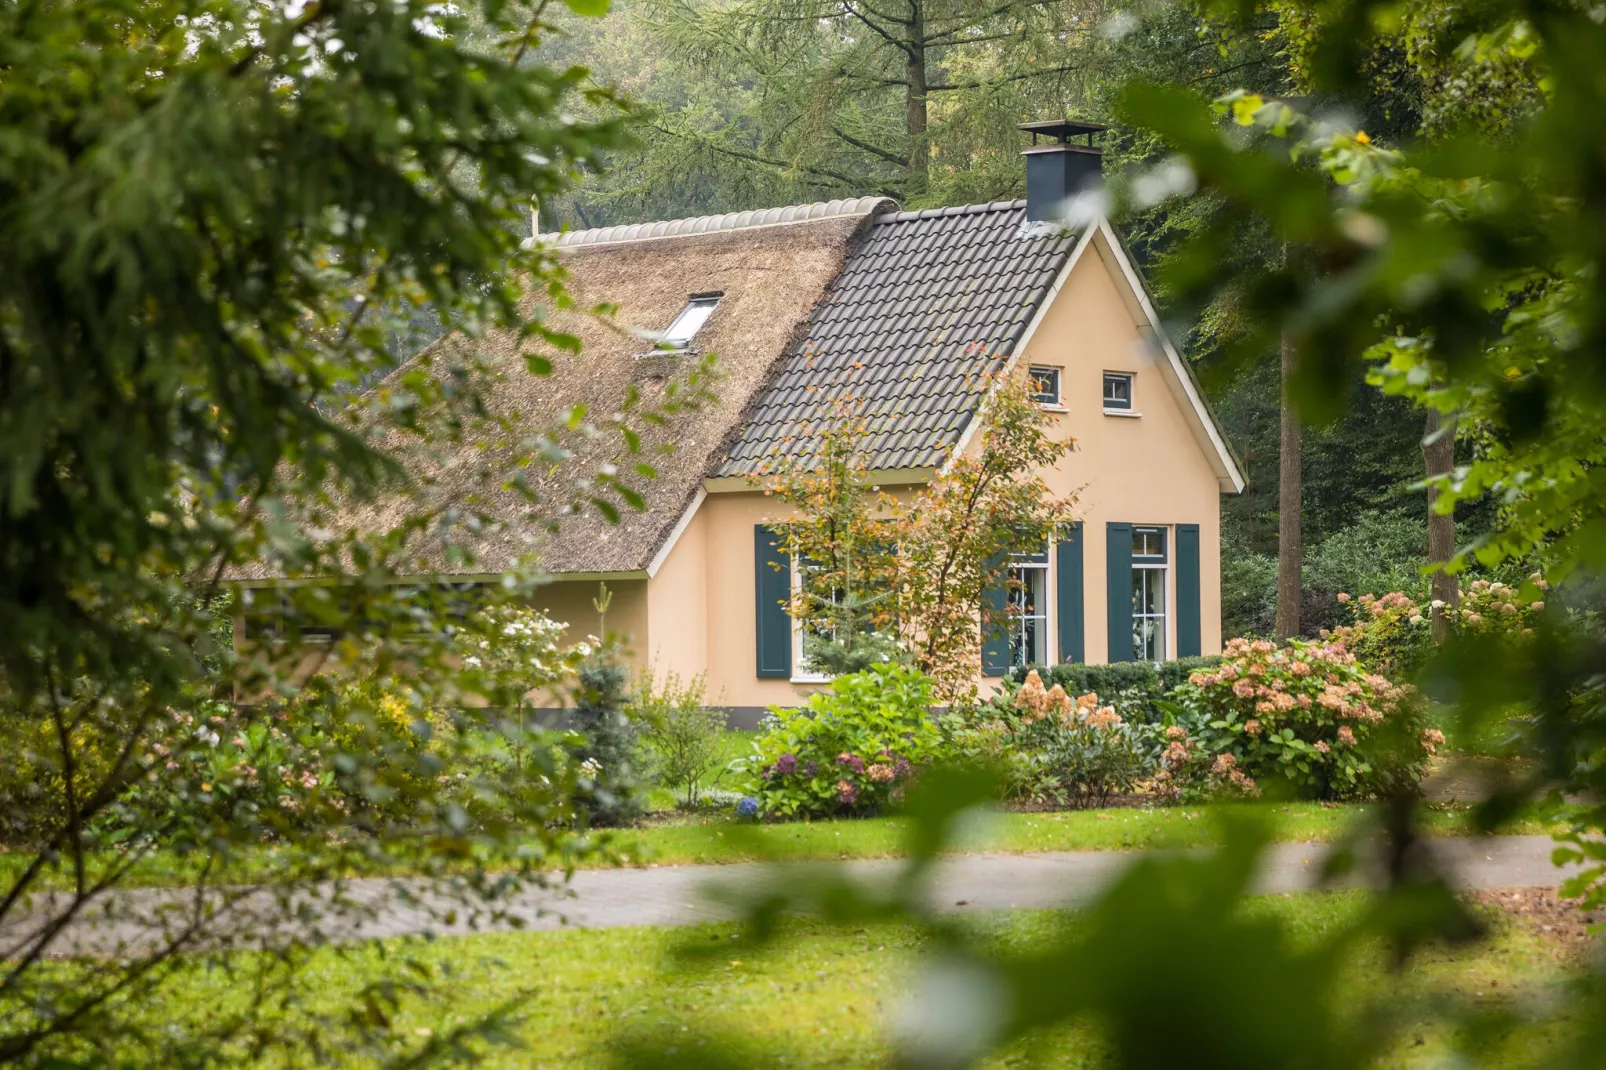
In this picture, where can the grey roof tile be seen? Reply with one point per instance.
(926, 302)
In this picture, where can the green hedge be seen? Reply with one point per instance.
(1152, 682)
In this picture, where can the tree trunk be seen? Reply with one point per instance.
(1438, 456)
(1290, 492)
(914, 107)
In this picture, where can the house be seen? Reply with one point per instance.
(905, 309)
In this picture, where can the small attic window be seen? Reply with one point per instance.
(691, 319)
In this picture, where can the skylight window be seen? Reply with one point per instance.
(690, 321)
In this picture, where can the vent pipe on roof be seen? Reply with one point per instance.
(1059, 171)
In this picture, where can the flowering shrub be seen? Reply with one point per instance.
(1491, 608)
(1190, 772)
(1043, 744)
(851, 749)
(218, 767)
(1392, 633)
(1308, 714)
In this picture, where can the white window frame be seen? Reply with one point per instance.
(1038, 372)
(1017, 597)
(678, 336)
(800, 675)
(1158, 567)
(1131, 407)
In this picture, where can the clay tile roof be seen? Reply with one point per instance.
(926, 302)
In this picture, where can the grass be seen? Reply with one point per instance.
(823, 997)
(709, 840)
(722, 840)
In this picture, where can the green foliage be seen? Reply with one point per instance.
(219, 217)
(609, 750)
(1136, 687)
(1042, 744)
(851, 749)
(1305, 716)
(686, 736)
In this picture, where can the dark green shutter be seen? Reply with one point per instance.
(1068, 566)
(1188, 636)
(1118, 590)
(772, 579)
(994, 635)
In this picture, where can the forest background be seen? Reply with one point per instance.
(743, 104)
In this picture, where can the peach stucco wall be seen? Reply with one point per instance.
(1147, 469)
(572, 602)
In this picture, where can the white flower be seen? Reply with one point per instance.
(591, 769)
(472, 662)
(207, 736)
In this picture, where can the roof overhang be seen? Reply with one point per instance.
(879, 477)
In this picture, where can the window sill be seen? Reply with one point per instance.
(1128, 413)
(1052, 408)
(812, 679)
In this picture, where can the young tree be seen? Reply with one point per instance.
(1290, 507)
(918, 569)
(841, 540)
(956, 535)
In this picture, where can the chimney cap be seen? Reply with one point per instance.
(1062, 129)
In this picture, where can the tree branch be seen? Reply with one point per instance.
(985, 84)
(890, 157)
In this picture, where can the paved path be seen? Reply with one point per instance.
(138, 919)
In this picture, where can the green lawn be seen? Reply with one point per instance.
(719, 839)
(822, 997)
(714, 840)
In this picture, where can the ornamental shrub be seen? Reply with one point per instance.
(608, 751)
(685, 737)
(1078, 751)
(1307, 714)
(1392, 633)
(850, 750)
(1136, 688)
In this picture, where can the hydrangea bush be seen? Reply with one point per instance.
(1307, 714)
(1044, 745)
(1392, 633)
(852, 749)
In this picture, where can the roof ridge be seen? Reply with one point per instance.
(950, 210)
(706, 224)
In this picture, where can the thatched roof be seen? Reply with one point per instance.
(771, 274)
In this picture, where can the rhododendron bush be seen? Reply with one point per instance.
(1308, 715)
(852, 749)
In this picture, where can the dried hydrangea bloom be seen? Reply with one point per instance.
(1032, 700)
(1104, 717)
(881, 773)
(1057, 699)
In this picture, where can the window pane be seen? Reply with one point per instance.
(1028, 624)
(1148, 542)
(690, 321)
(1046, 386)
(1117, 391)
